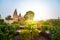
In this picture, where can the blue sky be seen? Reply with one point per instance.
(43, 9)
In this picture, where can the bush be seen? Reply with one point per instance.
(15, 25)
(25, 35)
(45, 28)
(30, 25)
(2, 22)
(6, 32)
(55, 33)
(35, 34)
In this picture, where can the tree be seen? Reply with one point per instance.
(55, 33)
(8, 17)
(29, 15)
(30, 24)
(6, 31)
(53, 22)
(2, 22)
(15, 25)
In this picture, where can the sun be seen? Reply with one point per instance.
(40, 10)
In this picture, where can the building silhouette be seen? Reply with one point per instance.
(16, 17)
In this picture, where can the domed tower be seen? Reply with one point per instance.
(15, 16)
(19, 17)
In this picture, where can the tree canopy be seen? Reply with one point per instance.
(8, 17)
(29, 15)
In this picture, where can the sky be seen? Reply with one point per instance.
(43, 9)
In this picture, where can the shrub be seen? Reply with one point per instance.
(45, 28)
(6, 32)
(15, 25)
(25, 35)
(55, 33)
(35, 34)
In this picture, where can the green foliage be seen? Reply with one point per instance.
(51, 22)
(8, 17)
(15, 25)
(45, 28)
(35, 33)
(25, 35)
(29, 15)
(2, 22)
(6, 32)
(55, 33)
(28, 34)
(54, 22)
(31, 25)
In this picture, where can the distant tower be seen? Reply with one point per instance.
(58, 18)
(0, 15)
(19, 17)
(15, 16)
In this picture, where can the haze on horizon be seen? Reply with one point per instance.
(43, 9)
